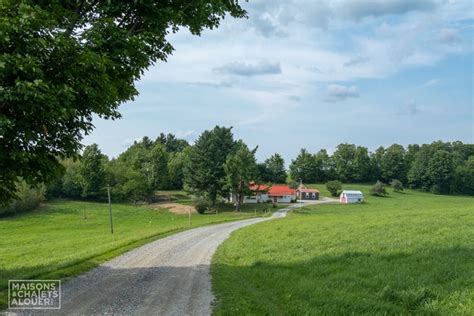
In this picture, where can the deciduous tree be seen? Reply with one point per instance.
(63, 62)
(240, 169)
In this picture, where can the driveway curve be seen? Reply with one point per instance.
(170, 276)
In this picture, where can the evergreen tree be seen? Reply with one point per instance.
(275, 167)
(204, 172)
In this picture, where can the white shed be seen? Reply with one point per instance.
(351, 197)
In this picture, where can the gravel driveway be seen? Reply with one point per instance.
(169, 276)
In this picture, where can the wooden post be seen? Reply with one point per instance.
(110, 211)
(189, 215)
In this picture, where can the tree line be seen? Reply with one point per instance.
(439, 167)
(218, 166)
(145, 167)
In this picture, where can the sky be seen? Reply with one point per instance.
(312, 74)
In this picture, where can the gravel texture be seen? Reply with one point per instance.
(169, 276)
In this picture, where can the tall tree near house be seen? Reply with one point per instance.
(204, 172)
(303, 167)
(275, 166)
(92, 172)
(240, 169)
(63, 62)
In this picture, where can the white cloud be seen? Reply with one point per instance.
(261, 67)
(335, 93)
(368, 8)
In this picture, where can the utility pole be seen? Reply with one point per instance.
(110, 211)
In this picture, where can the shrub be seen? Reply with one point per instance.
(201, 205)
(378, 189)
(293, 184)
(397, 185)
(334, 187)
(28, 198)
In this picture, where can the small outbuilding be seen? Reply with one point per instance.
(308, 194)
(351, 197)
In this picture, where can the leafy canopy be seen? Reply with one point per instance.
(63, 62)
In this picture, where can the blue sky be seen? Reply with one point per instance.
(313, 74)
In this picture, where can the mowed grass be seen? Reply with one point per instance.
(409, 253)
(56, 242)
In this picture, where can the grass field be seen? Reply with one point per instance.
(409, 253)
(56, 241)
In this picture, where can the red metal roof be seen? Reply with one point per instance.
(274, 190)
(279, 190)
(258, 187)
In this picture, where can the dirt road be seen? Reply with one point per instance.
(169, 276)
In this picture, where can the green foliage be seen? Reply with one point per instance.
(362, 165)
(464, 177)
(175, 170)
(396, 185)
(204, 172)
(201, 205)
(344, 162)
(442, 168)
(305, 167)
(274, 170)
(28, 198)
(171, 143)
(440, 171)
(378, 189)
(63, 62)
(92, 172)
(393, 164)
(292, 184)
(334, 187)
(133, 176)
(240, 169)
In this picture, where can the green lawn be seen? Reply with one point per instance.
(56, 241)
(409, 253)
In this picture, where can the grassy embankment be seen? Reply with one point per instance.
(56, 241)
(409, 253)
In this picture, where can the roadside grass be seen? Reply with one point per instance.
(56, 241)
(409, 253)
